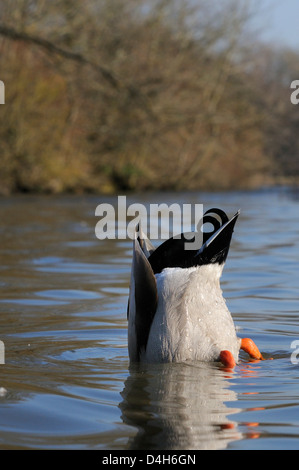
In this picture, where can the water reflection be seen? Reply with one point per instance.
(179, 406)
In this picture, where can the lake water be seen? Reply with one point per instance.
(66, 382)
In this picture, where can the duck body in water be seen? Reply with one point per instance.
(176, 310)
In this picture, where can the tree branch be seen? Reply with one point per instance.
(133, 92)
(52, 48)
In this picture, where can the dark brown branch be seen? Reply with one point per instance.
(132, 91)
(52, 48)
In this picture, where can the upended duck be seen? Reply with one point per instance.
(176, 310)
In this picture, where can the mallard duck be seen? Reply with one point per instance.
(176, 310)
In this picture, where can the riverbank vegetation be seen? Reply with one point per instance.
(116, 95)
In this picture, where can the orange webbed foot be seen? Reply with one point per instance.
(251, 348)
(227, 359)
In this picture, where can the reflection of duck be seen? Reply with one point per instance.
(176, 310)
(179, 406)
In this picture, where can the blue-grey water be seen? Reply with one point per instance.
(66, 381)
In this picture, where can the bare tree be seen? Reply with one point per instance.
(134, 95)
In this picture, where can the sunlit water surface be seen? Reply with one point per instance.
(66, 381)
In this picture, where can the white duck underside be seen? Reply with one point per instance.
(192, 321)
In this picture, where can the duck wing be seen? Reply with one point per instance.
(143, 297)
(144, 242)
